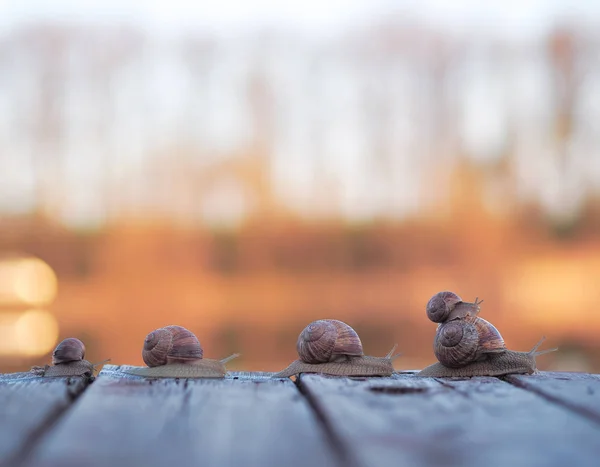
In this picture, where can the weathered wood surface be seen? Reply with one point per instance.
(244, 420)
(406, 420)
(577, 391)
(29, 407)
(247, 419)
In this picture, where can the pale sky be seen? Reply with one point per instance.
(519, 17)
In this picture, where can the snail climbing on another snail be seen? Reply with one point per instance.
(446, 306)
(68, 360)
(332, 347)
(467, 345)
(175, 352)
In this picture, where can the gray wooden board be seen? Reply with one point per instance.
(244, 420)
(406, 420)
(29, 406)
(578, 391)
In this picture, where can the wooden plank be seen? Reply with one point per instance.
(243, 420)
(29, 406)
(418, 422)
(577, 391)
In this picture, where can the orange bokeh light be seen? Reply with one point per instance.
(26, 281)
(31, 333)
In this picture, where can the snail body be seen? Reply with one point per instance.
(67, 360)
(77, 368)
(467, 345)
(332, 347)
(175, 352)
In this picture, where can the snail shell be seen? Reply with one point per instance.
(462, 341)
(328, 340)
(171, 344)
(445, 306)
(69, 350)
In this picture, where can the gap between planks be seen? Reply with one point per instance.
(211, 422)
(404, 430)
(74, 387)
(341, 447)
(567, 390)
(337, 444)
(571, 391)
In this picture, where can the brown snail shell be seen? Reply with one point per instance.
(169, 345)
(69, 350)
(463, 341)
(445, 306)
(328, 340)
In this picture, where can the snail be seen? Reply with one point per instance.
(175, 352)
(496, 364)
(68, 360)
(467, 345)
(445, 306)
(332, 347)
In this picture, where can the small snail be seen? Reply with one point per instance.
(445, 306)
(68, 360)
(175, 352)
(466, 345)
(332, 347)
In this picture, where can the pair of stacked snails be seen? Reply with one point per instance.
(465, 345)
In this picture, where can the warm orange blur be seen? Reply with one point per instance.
(167, 226)
(252, 290)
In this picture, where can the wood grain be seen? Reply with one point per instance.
(577, 391)
(415, 421)
(246, 419)
(29, 407)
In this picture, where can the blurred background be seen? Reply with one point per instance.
(243, 168)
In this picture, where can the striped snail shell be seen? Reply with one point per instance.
(445, 306)
(328, 340)
(171, 344)
(69, 350)
(463, 341)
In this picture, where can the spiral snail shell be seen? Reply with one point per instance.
(332, 347)
(445, 306)
(467, 345)
(467, 340)
(171, 344)
(326, 340)
(175, 352)
(68, 360)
